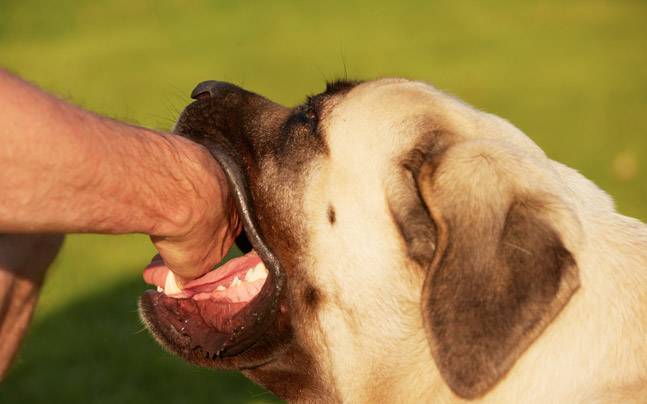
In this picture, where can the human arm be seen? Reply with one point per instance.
(66, 170)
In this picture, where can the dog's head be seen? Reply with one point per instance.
(407, 235)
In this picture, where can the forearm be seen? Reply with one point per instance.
(68, 170)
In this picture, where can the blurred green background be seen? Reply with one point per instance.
(570, 74)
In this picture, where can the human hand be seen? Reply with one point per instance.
(203, 239)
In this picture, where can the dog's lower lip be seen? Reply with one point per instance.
(205, 329)
(257, 365)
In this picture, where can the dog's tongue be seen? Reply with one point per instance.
(238, 280)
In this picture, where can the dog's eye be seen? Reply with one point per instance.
(310, 115)
(307, 117)
(303, 117)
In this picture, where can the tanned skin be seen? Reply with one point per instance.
(66, 170)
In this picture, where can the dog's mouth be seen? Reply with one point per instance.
(225, 312)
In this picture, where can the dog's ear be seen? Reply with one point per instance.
(500, 271)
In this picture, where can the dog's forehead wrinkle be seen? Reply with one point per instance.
(373, 110)
(367, 123)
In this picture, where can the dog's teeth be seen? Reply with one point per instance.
(236, 281)
(160, 289)
(220, 288)
(256, 273)
(171, 286)
(249, 276)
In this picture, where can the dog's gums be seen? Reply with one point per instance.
(237, 281)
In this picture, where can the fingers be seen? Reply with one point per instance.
(155, 272)
(194, 255)
(205, 238)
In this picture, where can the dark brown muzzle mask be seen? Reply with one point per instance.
(206, 331)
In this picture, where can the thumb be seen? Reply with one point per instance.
(158, 274)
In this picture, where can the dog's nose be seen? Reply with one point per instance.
(210, 88)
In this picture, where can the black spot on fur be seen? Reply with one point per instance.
(311, 296)
(332, 218)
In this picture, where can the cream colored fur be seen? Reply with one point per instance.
(596, 348)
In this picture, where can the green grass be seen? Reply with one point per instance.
(570, 74)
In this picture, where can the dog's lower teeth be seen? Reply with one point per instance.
(236, 281)
(256, 273)
(171, 286)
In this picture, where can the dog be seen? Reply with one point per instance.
(408, 247)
